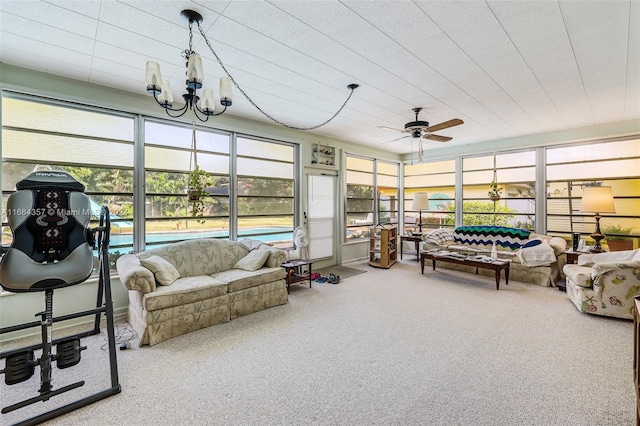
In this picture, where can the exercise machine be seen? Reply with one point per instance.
(49, 216)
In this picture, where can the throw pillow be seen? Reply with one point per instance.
(165, 272)
(253, 261)
(438, 236)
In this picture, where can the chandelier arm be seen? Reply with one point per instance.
(195, 112)
(352, 87)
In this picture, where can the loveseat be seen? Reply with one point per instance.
(605, 283)
(535, 259)
(197, 283)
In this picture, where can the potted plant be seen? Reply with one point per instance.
(197, 181)
(616, 241)
(494, 191)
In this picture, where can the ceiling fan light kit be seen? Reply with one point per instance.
(203, 106)
(420, 129)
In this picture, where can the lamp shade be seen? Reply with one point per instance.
(194, 71)
(207, 102)
(420, 201)
(166, 95)
(153, 77)
(597, 199)
(226, 92)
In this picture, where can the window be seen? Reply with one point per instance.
(266, 183)
(359, 178)
(387, 190)
(95, 146)
(437, 179)
(168, 159)
(515, 173)
(615, 164)
(371, 195)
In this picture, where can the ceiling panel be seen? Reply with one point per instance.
(506, 68)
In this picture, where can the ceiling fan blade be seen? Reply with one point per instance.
(438, 138)
(390, 128)
(444, 125)
(396, 139)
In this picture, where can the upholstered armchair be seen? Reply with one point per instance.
(605, 283)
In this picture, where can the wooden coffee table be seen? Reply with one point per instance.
(496, 265)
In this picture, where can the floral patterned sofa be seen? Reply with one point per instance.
(535, 259)
(605, 283)
(193, 284)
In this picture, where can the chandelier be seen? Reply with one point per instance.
(203, 105)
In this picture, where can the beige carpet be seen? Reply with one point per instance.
(389, 347)
(341, 271)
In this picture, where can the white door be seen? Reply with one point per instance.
(321, 216)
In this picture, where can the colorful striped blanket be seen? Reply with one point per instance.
(485, 235)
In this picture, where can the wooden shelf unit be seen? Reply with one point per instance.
(323, 155)
(383, 246)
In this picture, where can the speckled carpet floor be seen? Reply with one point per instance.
(388, 347)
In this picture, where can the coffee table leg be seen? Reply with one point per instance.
(433, 262)
(421, 264)
(506, 275)
(498, 279)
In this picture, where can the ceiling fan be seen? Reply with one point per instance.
(419, 129)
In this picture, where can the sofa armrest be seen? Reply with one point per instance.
(603, 268)
(133, 275)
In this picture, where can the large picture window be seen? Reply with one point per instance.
(95, 146)
(569, 169)
(168, 159)
(438, 180)
(515, 174)
(266, 187)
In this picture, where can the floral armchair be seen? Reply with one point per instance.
(605, 283)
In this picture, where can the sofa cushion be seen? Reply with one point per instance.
(252, 261)
(238, 279)
(164, 272)
(183, 291)
(579, 275)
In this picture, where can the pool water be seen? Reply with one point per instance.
(266, 235)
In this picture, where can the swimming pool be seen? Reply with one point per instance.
(266, 234)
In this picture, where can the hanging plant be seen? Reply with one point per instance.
(197, 182)
(495, 191)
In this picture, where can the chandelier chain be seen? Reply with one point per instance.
(275, 120)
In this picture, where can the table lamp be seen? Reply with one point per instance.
(420, 202)
(597, 199)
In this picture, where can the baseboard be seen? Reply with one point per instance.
(68, 327)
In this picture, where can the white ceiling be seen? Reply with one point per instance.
(507, 68)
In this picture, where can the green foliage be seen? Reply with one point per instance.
(615, 230)
(495, 190)
(197, 182)
(481, 213)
